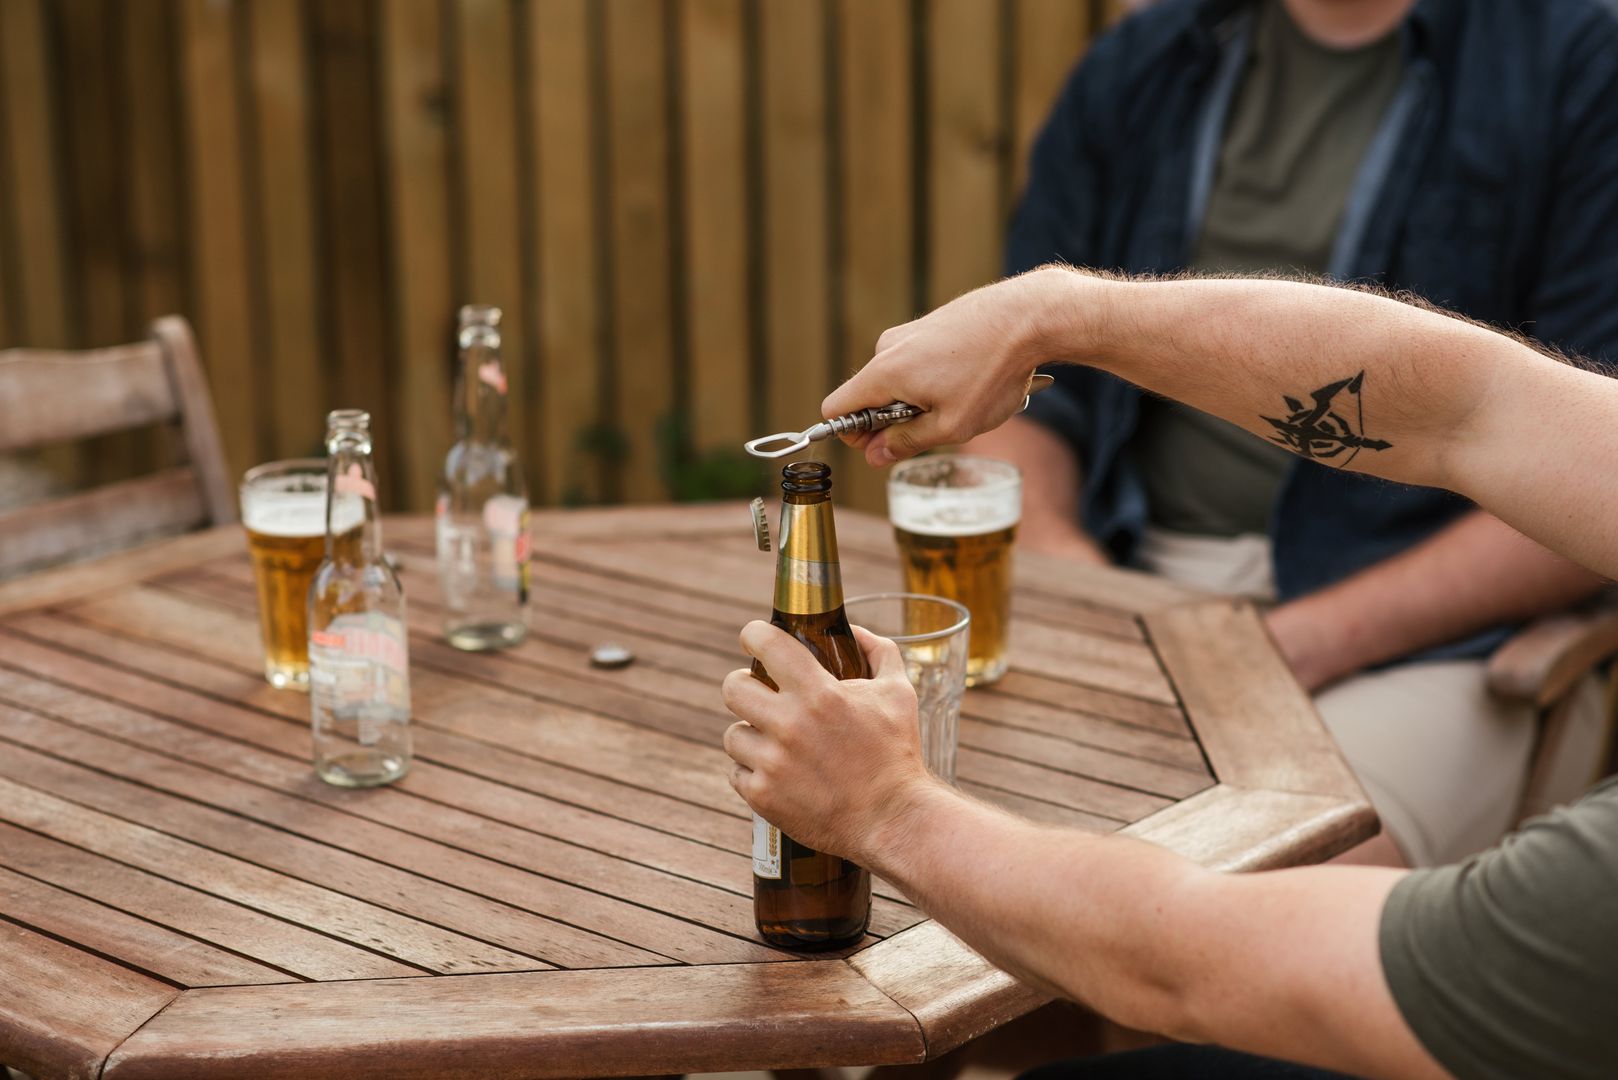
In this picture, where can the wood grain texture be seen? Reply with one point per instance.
(965, 147)
(60, 396)
(712, 118)
(1256, 724)
(797, 271)
(1542, 662)
(70, 582)
(1048, 38)
(294, 950)
(487, 213)
(348, 173)
(285, 224)
(567, 142)
(35, 214)
(954, 994)
(417, 162)
(551, 1024)
(219, 225)
(640, 231)
(319, 907)
(146, 946)
(157, 807)
(1232, 828)
(876, 84)
(65, 1010)
(199, 424)
(118, 514)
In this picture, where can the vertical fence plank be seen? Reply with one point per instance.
(796, 219)
(1050, 36)
(417, 166)
(642, 317)
(285, 226)
(876, 76)
(221, 300)
(570, 305)
(34, 214)
(92, 100)
(354, 319)
(965, 148)
(716, 213)
(486, 118)
(155, 214)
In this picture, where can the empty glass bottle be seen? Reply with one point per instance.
(359, 664)
(482, 512)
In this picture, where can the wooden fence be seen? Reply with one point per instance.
(698, 214)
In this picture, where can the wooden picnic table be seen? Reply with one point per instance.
(181, 897)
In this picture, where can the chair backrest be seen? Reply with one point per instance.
(50, 397)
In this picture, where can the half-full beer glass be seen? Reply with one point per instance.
(955, 518)
(284, 510)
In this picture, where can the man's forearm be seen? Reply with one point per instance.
(1360, 381)
(1426, 596)
(1151, 940)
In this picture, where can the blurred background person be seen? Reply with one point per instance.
(1465, 150)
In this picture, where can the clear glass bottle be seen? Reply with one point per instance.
(482, 511)
(359, 663)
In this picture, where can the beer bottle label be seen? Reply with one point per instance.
(359, 667)
(766, 849)
(506, 518)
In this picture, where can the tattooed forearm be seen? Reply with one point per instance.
(1332, 424)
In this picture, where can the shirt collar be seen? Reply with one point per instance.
(1428, 22)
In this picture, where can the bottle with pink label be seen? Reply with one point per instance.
(482, 511)
(359, 664)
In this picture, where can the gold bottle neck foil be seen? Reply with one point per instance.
(808, 577)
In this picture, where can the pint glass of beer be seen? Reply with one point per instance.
(955, 517)
(284, 510)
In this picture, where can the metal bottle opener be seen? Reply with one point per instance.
(783, 443)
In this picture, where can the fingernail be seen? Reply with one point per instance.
(884, 456)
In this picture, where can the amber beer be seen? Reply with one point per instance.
(284, 512)
(803, 898)
(955, 520)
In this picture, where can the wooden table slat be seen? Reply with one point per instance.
(471, 851)
(64, 1010)
(145, 946)
(1245, 701)
(610, 797)
(545, 1024)
(260, 937)
(373, 876)
(407, 939)
(954, 994)
(580, 620)
(675, 708)
(159, 822)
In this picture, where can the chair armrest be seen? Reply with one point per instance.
(1543, 661)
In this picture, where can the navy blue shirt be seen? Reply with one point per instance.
(1491, 189)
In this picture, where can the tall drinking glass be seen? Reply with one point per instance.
(955, 517)
(284, 510)
(933, 635)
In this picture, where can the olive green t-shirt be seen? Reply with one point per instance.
(1506, 966)
(1301, 120)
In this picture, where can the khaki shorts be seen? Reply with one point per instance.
(1442, 759)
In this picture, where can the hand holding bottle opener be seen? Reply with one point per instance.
(790, 442)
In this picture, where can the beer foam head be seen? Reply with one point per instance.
(299, 513)
(955, 495)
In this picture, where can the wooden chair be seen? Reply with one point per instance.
(49, 397)
(1543, 665)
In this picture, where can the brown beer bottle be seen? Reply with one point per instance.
(802, 898)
